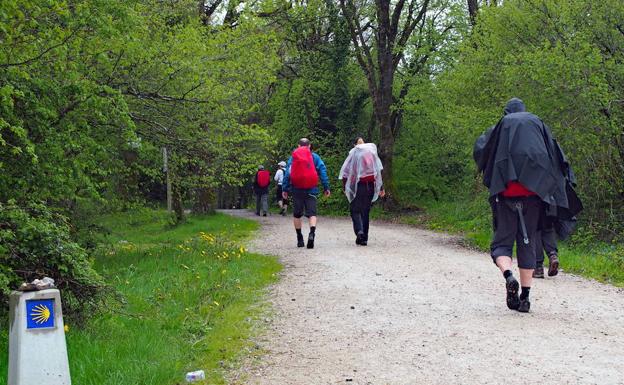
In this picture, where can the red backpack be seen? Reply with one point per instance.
(264, 178)
(302, 171)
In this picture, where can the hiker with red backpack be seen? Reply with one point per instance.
(301, 180)
(261, 189)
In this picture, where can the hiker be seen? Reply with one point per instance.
(546, 243)
(261, 189)
(525, 176)
(301, 179)
(278, 178)
(555, 224)
(361, 179)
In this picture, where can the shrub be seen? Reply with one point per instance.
(35, 242)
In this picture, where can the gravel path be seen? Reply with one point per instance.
(413, 307)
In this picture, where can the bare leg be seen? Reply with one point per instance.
(312, 222)
(526, 277)
(504, 263)
(297, 223)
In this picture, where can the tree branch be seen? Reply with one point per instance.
(41, 54)
(410, 24)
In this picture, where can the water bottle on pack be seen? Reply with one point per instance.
(197, 375)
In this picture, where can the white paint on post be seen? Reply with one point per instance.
(37, 348)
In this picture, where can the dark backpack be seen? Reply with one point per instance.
(303, 174)
(264, 178)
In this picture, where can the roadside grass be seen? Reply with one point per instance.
(192, 296)
(582, 254)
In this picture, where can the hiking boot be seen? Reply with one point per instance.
(538, 272)
(512, 287)
(283, 212)
(264, 215)
(359, 239)
(300, 241)
(553, 265)
(311, 241)
(524, 306)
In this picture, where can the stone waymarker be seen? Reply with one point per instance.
(37, 349)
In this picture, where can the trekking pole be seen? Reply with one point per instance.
(522, 224)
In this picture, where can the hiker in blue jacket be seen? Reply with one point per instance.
(303, 170)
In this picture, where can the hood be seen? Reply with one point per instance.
(514, 105)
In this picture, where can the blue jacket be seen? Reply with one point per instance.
(321, 170)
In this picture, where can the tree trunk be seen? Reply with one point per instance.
(383, 113)
(205, 201)
(473, 9)
(178, 208)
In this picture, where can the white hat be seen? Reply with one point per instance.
(282, 163)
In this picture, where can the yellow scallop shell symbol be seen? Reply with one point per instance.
(40, 314)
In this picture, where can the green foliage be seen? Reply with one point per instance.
(34, 243)
(91, 91)
(191, 297)
(321, 93)
(565, 60)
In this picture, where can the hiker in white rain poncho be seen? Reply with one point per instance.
(361, 178)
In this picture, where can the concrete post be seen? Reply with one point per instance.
(37, 349)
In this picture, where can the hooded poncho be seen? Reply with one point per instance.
(362, 162)
(520, 147)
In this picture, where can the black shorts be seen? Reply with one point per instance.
(508, 229)
(304, 202)
(278, 195)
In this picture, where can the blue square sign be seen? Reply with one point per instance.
(40, 313)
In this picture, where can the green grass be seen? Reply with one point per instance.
(193, 295)
(583, 254)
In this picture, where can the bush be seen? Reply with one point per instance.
(35, 242)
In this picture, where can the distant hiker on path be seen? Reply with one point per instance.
(361, 179)
(546, 243)
(279, 178)
(261, 184)
(556, 221)
(524, 175)
(301, 178)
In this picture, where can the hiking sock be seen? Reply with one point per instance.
(312, 229)
(299, 238)
(525, 292)
(507, 274)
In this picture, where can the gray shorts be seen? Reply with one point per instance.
(304, 203)
(508, 230)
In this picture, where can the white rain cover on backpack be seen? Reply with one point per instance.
(362, 161)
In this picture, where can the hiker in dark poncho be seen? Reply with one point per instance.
(525, 176)
(551, 225)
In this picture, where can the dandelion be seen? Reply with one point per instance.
(216, 303)
(66, 328)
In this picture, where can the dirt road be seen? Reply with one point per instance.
(413, 307)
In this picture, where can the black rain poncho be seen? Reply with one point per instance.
(520, 147)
